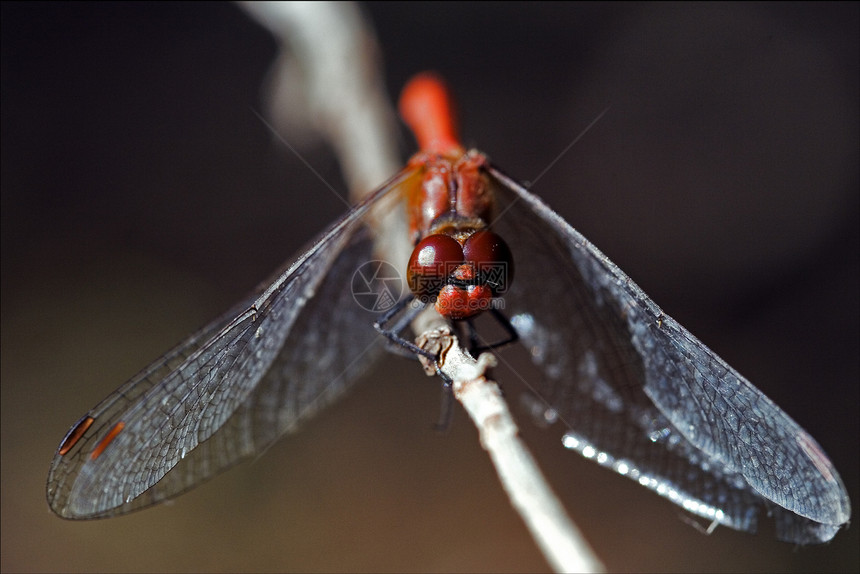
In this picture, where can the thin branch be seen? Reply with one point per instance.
(558, 538)
(328, 78)
(331, 77)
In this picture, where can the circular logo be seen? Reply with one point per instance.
(377, 286)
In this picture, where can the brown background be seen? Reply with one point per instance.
(141, 197)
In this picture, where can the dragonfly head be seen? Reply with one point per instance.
(462, 276)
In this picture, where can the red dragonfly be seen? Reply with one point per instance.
(633, 389)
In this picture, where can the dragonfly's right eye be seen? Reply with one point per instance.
(432, 260)
(492, 257)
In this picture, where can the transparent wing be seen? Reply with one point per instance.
(229, 390)
(641, 395)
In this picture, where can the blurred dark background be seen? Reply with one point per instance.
(141, 197)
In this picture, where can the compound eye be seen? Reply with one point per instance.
(432, 260)
(491, 258)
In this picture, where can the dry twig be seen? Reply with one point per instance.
(335, 59)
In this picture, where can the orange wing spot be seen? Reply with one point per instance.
(427, 108)
(117, 428)
(75, 435)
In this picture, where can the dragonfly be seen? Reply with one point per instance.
(630, 388)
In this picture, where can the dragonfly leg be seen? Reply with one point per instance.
(475, 346)
(446, 410)
(398, 344)
(403, 346)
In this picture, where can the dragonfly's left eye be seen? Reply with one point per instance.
(433, 259)
(491, 258)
